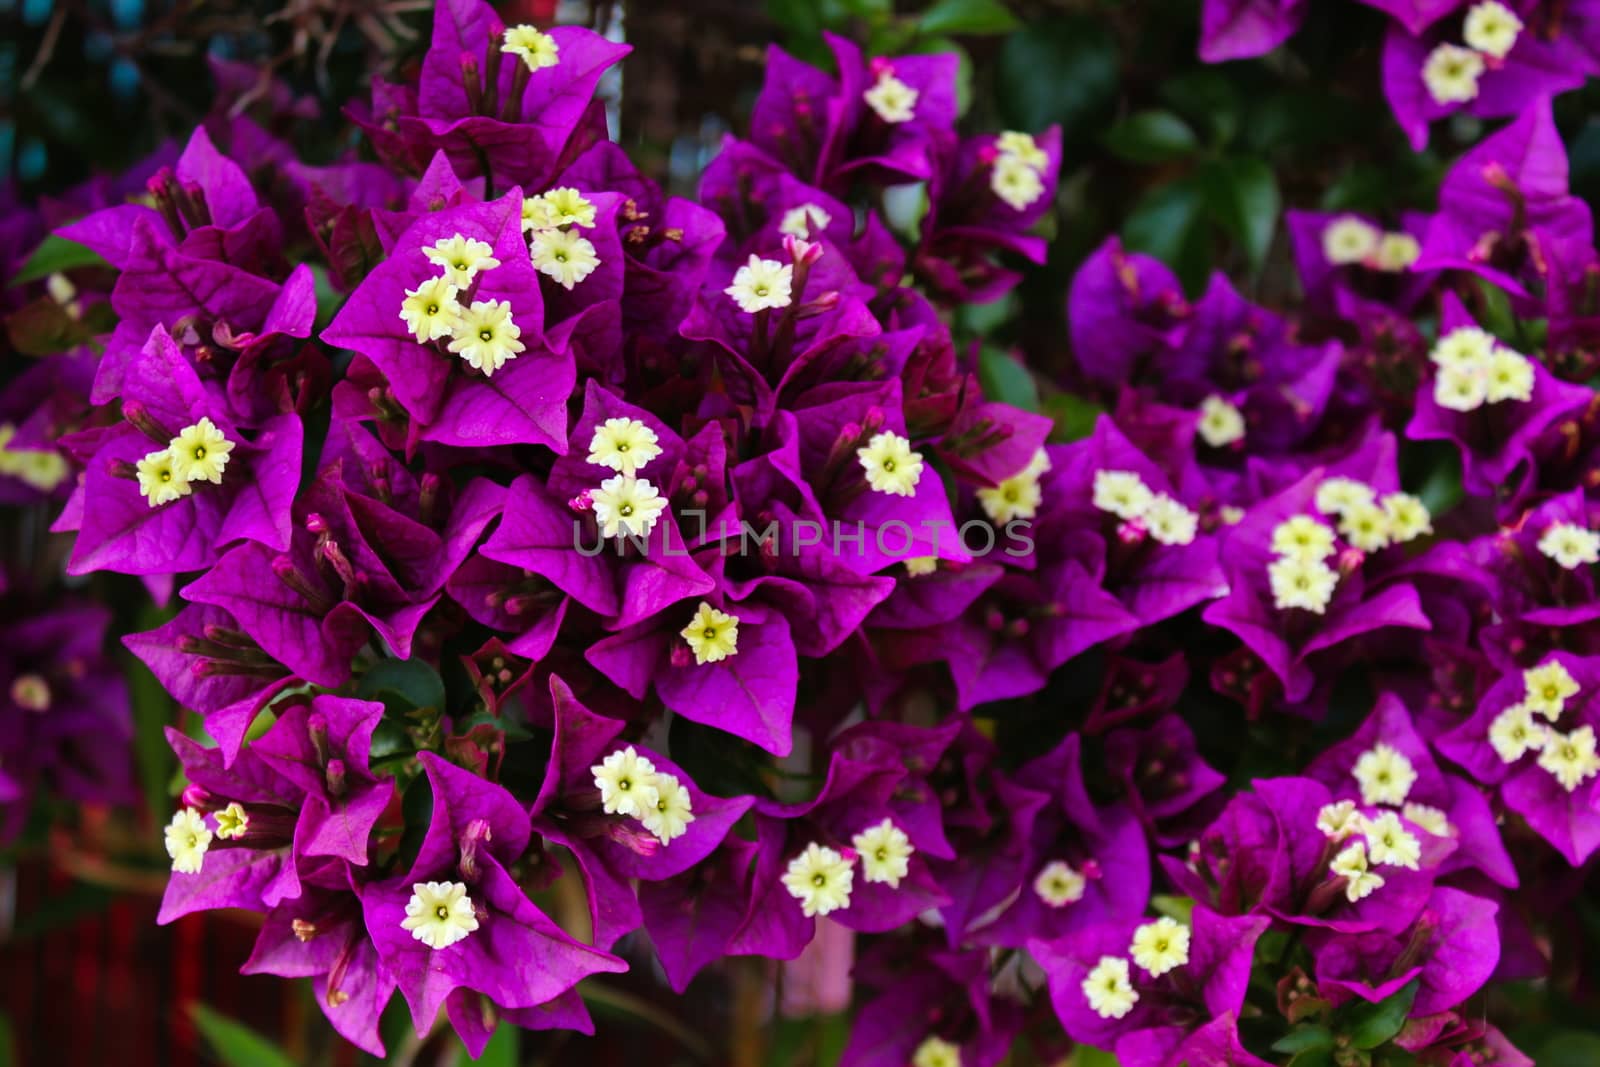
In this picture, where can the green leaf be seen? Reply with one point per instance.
(1005, 379)
(1304, 1037)
(967, 16)
(8, 1047)
(1179, 908)
(1088, 1056)
(1242, 197)
(410, 683)
(1062, 70)
(1313, 1057)
(53, 255)
(1209, 99)
(235, 1044)
(1165, 224)
(1370, 1025)
(43, 327)
(504, 1048)
(153, 708)
(1151, 137)
(1569, 1048)
(1496, 315)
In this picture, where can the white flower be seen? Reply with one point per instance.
(1337, 495)
(1122, 493)
(1160, 946)
(1015, 182)
(1302, 583)
(1548, 687)
(1491, 28)
(1461, 388)
(1341, 819)
(921, 566)
(486, 336)
(711, 635)
(1514, 734)
(890, 464)
(1429, 818)
(187, 841)
(1391, 844)
(563, 206)
(1464, 346)
(1451, 74)
(42, 468)
(1570, 545)
(1396, 252)
(1365, 526)
(1058, 884)
(1571, 757)
(1351, 865)
(158, 480)
(1384, 774)
(885, 852)
(1348, 239)
(1302, 537)
(936, 1052)
(627, 783)
(893, 100)
(1408, 517)
(563, 256)
(430, 310)
(1108, 990)
(1220, 422)
(1509, 376)
(439, 913)
(538, 50)
(761, 284)
(627, 507)
(1019, 496)
(461, 257)
(232, 822)
(200, 452)
(1023, 147)
(802, 220)
(1169, 522)
(820, 879)
(669, 817)
(625, 445)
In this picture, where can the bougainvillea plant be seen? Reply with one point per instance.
(510, 522)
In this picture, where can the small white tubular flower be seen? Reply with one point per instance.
(430, 310)
(1019, 496)
(158, 480)
(625, 445)
(627, 783)
(801, 221)
(1509, 376)
(565, 206)
(1396, 252)
(187, 841)
(535, 48)
(1169, 522)
(1571, 757)
(1022, 146)
(1365, 526)
(1408, 517)
(1016, 183)
(439, 913)
(1302, 583)
(563, 256)
(1461, 387)
(1491, 28)
(1108, 989)
(1429, 818)
(486, 336)
(885, 852)
(892, 99)
(669, 817)
(1464, 346)
(1514, 734)
(1302, 537)
(1220, 422)
(1058, 884)
(761, 284)
(935, 1051)
(1570, 545)
(1548, 688)
(627, 507)
(232, 822)
(1389, 843)
(1341, 819)
(890, 464)
(711, 635)
(1160, 946)
(461, 258)
(1451, 74)
(1337, 495)
(1384, 774)
(200, 452)
(1348, 239)
(1351, 865)
(820, 879)
(1122, 493)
